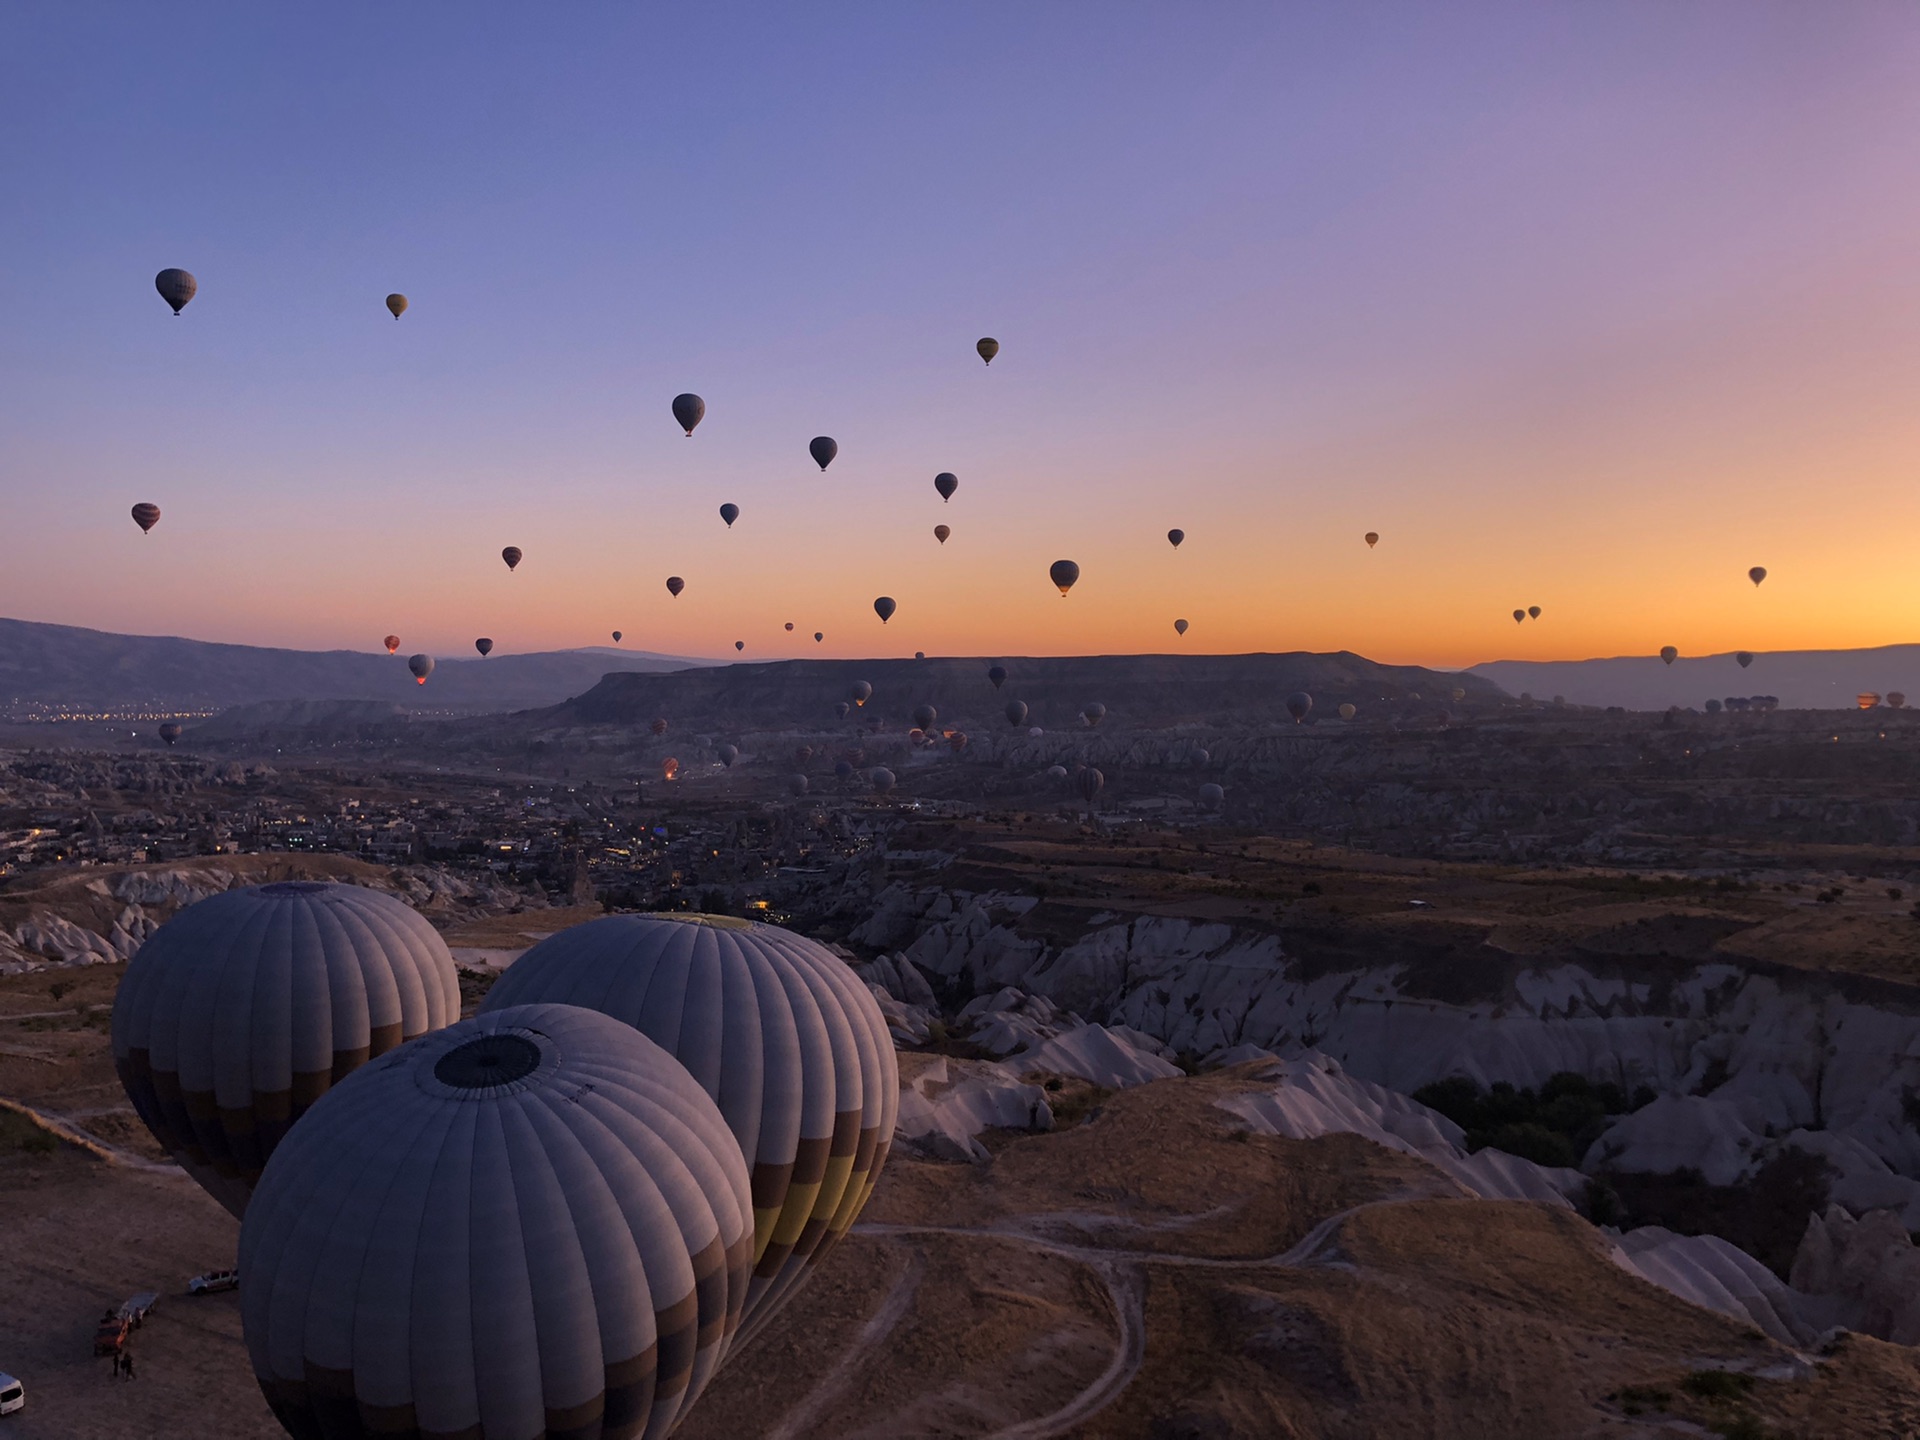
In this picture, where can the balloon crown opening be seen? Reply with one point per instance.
(294, 887)
(487, 1061)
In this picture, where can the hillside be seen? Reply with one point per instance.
(1801, 679)
(63, 665)
(1153, 691)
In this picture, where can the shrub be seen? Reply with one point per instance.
(1717, 1384)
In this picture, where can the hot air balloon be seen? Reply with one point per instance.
(1298, 704)
(729, 512)
(1533, 612)
(940, 533)
(1669, 654)
(1212, 796)
(1757, 574)
(146, 516)
(1866, 700)
(392, 642)
(669, 767)
(988, 348)
(1089, 781)
(688, 411)
(1347, 711)
(1056, 772)
(799, 784)
(924, 716)
(822, 448)
(1016, 713)
(511, 555)
(739, 644)
(818, 636)
(1200, 756)
(1373, 538)
(957, 741)
(842, 709)
(728, 754)
(616, 637)
(1743, 658)
(397, 303)
(484, 646)
(170, 732)
(176, 287)
(659, 727)
(1897, 699)
(1094, 714)
(1713, 707)
(997, 675)
(884, 608)
(1179, 627)
(1174, 537)
(536, 1222)
(1063, 573)
(789, 627)
(1459, 693)
(861, 692)
(1519, 617)
(1034, 732)
(675, 585)
(946, 482)
(421, 666)
(240, 1012)
(843, 769)
(881, 779)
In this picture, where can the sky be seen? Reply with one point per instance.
(1585, 306)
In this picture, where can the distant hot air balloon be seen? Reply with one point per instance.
(997, 674)
(1093, 714)
(1211, 796)
(940, 533)
(818, 636)
(669, 768)
(946, 482)
(546, 1153)
(484, 646)
(728, 754)
(397, 303)
(822, 448)
(1519, 617)
(924, 716)
(1179, 627)
(803, 754)
(1533, 612)
(1201, 756)
(988, 348)
(884, 608)
(1373, 538)
(176, 287)
(843, 769)
(861, 692)
(1056, 772)
(1459, 693)
(957, 741)
(659, 727)
(1669, 654)
(675, 585)
(616, 637)
(1174, 537)
(842, 709)
(1897, 699)
(421, 666)
(1347, 711)
(511, 555)
(799, 784)
(170, 731)
(1743, 658)
(146, 516)
(688, 411)
(729, 512)
(789, 626)
(392, 642)
(1757, 574)
(1016, 713)
(1866, 700)
(739, 644)
(1034, 732)
(1089, 781)
(247, 1007)
(1298, 704)
(1064, 573)
(881, 779)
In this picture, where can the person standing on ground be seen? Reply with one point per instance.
(116, 1364)
(126, 1365)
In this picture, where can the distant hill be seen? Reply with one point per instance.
(1802, 679)
(62, 665)
(1152, 691)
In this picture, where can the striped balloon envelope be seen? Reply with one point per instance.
(777, 1029)
(531, 1223)
(241, 1011)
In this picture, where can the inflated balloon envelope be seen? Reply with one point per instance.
(777, 1029)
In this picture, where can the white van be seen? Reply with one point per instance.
(13, 1395)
